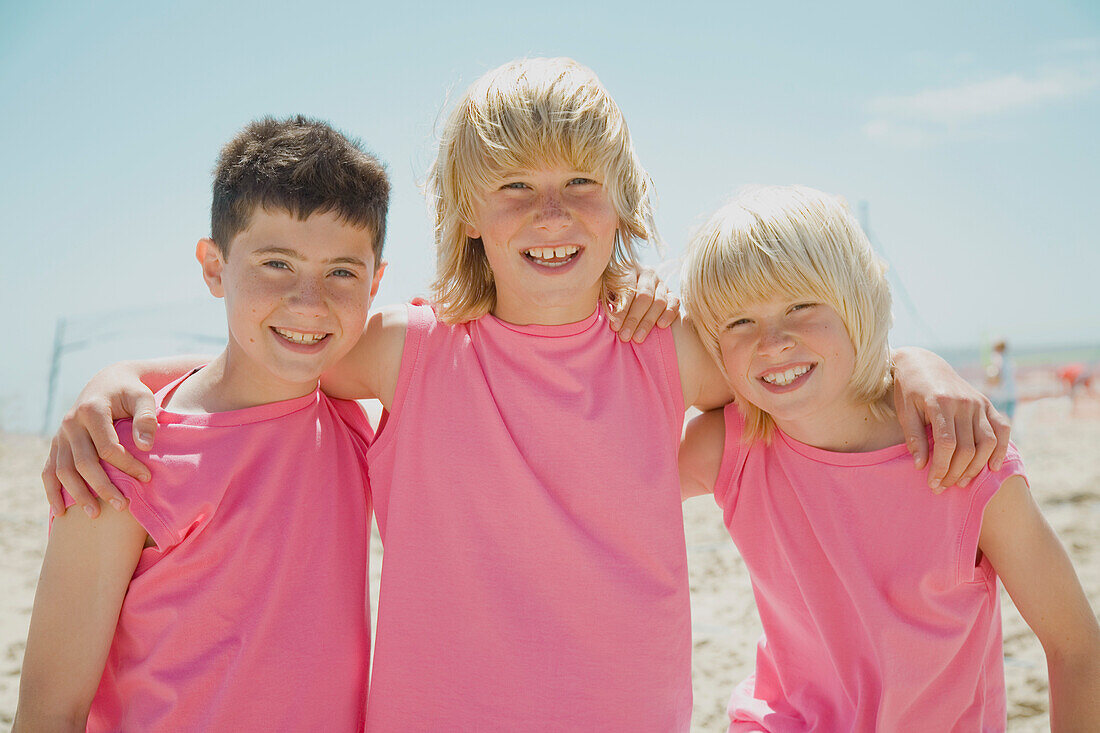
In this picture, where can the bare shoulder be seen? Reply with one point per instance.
(702, 381)
(111, 529)
(385, 331)
(1009, 510)
(370, 369)
(701, 451)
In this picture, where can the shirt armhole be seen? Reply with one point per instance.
(142, 508)
(671, 365)
(982, 491)
(733, 460)
(421, 320)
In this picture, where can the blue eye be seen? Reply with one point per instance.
(342, 272)
(514, 186)
(737, 322)
(581, 181)
(276, 265)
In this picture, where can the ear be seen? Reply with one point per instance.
(377, 279)
(212, 261)
(472, 232)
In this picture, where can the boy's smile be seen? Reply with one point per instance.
(297, 293)
(785, 379)
(794, 360)
(548, 234)
(299, 337)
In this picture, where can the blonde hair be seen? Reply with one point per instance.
(799, 242)
(527, 114)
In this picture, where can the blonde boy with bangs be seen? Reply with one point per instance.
(524, 476)
(524, 115)
(825, 256)
(833, 521)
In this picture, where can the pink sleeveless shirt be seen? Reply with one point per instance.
(526, 491)
(250, 612)
(875, 616)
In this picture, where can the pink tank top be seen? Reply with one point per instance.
(875, 615)
(526, 490)
(250, 612)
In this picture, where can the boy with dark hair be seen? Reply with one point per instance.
(233, 590)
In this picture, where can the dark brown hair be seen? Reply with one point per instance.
(303, 167)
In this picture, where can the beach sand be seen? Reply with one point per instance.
(1059, 450)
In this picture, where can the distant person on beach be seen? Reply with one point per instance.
(1000, 379)
(879, 601)
(524, 474)
(232, 593)
(1075, 379)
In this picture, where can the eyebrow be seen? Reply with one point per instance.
(296, 255)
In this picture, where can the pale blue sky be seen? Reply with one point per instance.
(969, 128)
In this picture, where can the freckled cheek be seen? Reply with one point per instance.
(735, 359)
(604, 218)
(350, 308)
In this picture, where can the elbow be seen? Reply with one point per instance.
(1077, 655)
(38, 713)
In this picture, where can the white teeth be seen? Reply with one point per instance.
(300, 338)
(550, 253)
(784, 378)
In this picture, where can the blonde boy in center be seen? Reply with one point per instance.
(878, 599)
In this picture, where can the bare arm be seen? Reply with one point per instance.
(702, 381)
(968, 432)
(371, 368)
(87, 569)
(701, 452)
(1037, 574)
(87, 432)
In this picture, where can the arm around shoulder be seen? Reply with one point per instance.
(87, 433)
(1038, 575)
(86, 571)
(701, 452)
(371, 368)
(703, 383)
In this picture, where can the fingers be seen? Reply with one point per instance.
(143, 408)
(943, 435)
(647, 305)
(643, 314)
(50, 482)
(672, 310)
(616, 317)
(69, 476)
(964, 452)
(985, 442)
(100, 428)
(1001, 428)
(912, 425)
(87, 434)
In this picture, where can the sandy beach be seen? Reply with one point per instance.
(1059, 448)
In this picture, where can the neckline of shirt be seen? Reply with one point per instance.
(560, 330)
(838, 458)
(230, 418)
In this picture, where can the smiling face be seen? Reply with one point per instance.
(296, 295)
(548, 235)
(794, 360)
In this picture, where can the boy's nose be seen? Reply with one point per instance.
(774, 340)
(307, 300)
(551, 214)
